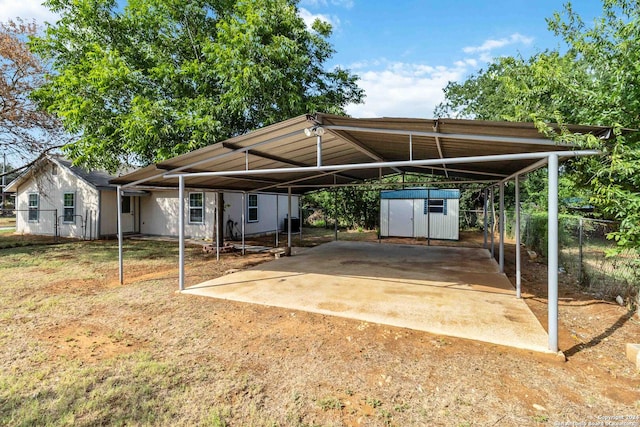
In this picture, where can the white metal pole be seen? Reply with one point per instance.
(244, 212)
(300, 218)
(501, 227)
(289, 220)
(493, 221)
(119, 223)
(518, 260)
(277, 218)
(486, 216)
(319, 150)
(181, 232)
(218, 226)
(552, 273)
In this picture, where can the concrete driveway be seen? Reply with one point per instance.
(442, 290)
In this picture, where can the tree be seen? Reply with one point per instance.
(159, 78)
(25, 130)
(594, 83)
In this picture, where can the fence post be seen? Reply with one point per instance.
(580, 231)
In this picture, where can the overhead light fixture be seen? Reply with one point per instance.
(316, 130)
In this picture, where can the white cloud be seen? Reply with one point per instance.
(404, 90)
(492, 44)
(28, 10)
(309, 18)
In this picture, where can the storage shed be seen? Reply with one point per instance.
(420, 212)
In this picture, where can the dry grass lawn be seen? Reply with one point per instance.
(77, 348)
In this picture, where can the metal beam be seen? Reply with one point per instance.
(392, 184)
(376, 165)
(362, 148)
(439, 147)
(279, 159)
(460, 136)
(470, 172)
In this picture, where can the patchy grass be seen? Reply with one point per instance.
(80, 349)
(7, 221)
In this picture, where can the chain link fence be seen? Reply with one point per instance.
(585, 252)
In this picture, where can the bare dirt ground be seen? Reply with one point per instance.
(78, 348)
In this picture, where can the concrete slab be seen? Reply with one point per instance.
(450, 291)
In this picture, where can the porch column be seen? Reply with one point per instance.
(181, 231)
(119, 223)
(501, 228)
(518, 260)
(552, 267)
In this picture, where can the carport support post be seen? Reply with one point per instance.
(335, 210)
(244, 212)
(277, 218)
(518, 266)
(501, 228)
(552, 267)
(181, 231)
(119, 223)
(493, 220)
(289, 220)
(218, 226)
(486, 216)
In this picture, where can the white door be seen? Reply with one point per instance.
(128, 216)
(401, 218)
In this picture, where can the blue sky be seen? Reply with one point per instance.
(405, 51)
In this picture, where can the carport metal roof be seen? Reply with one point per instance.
(309, 151)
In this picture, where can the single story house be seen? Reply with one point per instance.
(420, 212)
(53, 197)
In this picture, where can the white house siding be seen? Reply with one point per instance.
(51, 189)
(159, 214)
(108, 213)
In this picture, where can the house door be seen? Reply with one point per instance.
(401, 218)
(128, 215)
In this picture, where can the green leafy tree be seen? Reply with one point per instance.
(594, 83)
(158, 78)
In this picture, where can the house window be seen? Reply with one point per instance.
(196, 208)
(69, 205)
(252, 208)
(54, 170)
(435, 206)
(34, 207)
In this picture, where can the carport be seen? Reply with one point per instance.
(320, 151)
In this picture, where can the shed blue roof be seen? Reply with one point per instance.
(420, 193)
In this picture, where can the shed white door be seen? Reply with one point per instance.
(401, 218)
